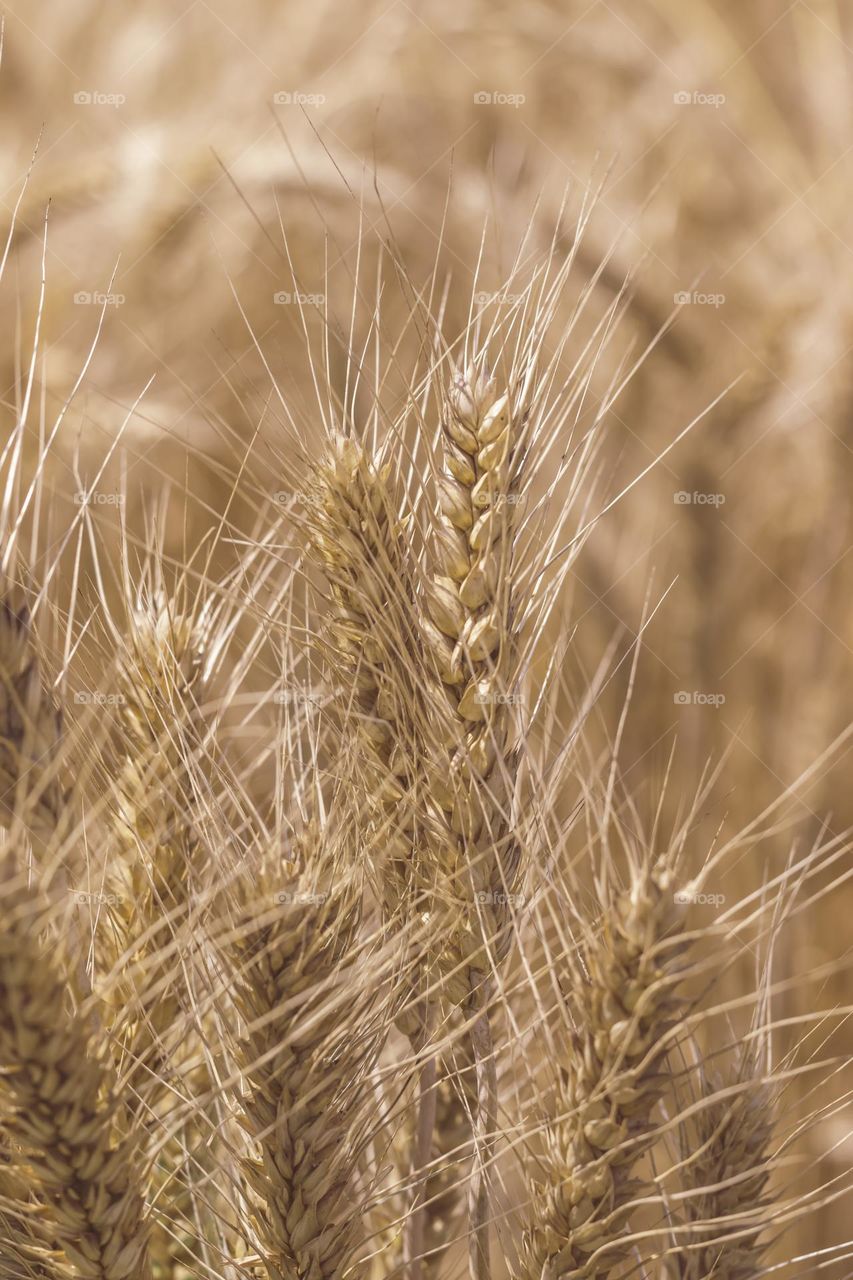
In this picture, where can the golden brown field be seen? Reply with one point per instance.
(237, 232)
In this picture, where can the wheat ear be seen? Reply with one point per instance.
(726, 1172)
(160, 681)
(160, 869)
(64, 1103)
(625, 1001)
(374, 622)
(355, 535)
(470, 633)
(304, 1071)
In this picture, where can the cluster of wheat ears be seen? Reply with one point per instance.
(327, 947)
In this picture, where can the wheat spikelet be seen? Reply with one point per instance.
(62, 1107)
(625, 1001)
(304, 1070)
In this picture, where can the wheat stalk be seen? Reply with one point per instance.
(290, 951)
(470, 635)
(726, 1172)
(160, 682)
(356, 537)
(159, 869)
(63, 1105)
(625, 1001)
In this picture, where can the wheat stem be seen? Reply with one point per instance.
(485, 1126)
(414, 1231)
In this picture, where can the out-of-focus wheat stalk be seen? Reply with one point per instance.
(288, 952)
(625, 1001)
(63, 1104)
(160, 686)
(357, 538)
(726, 1172)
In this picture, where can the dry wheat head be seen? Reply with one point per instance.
(625, 1000)
(62, 1106)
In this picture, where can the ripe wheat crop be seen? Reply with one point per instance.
(333, 944)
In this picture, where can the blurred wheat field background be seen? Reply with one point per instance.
(222, 186)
